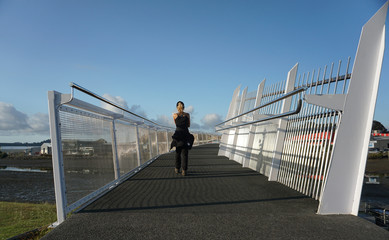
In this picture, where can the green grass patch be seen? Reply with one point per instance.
(18, 218)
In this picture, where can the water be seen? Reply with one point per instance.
(16, 169)
(17, 147)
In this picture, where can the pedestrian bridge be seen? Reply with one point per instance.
(302, 144)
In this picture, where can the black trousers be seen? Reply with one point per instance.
(182, 158)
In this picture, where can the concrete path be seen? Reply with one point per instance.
(217, 200)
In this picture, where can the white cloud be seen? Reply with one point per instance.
(39, 122)
(137, 109)
(165, 120)
(195, 126)
(12, 119)
(210, 120)
(117, 100)
(189, 109)
(14, 122)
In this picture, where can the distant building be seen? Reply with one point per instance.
(379, 141)
(32, 151)
(46, 148)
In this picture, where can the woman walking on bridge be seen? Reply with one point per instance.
(182, 139)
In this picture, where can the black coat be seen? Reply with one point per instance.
(181, 137)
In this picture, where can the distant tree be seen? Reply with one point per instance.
(378, 126)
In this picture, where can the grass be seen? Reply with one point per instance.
(18, 218)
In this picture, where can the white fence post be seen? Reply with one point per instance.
(234, 154)
(116, 165)
(167, 141)
(250, 141)
(342, 190)
(138, 145)
(156, 131)
(54, 99)
(225, 138)
(286, 103)
(150, 144)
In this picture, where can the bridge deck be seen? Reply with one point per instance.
(217, 200)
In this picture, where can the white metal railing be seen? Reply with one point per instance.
(297, 110)
(94, 149)
(321, 150)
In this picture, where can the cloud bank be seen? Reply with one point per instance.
(17, 125)
(137, 109)
(210, 120)
(15, 122)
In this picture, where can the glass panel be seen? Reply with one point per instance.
(144, 144)
(153, 140)
(87, 154)
(126, 146)
(162, 142)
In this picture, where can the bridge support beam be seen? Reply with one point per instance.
(342, 190)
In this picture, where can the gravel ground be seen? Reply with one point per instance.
(32, 187)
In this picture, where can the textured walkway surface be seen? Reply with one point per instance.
(217, 200)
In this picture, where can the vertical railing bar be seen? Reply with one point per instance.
(332, 119)
(138, 145)
(270, 98)
(324, 77)
(264, 99)
(297, 158)
(157, 142)
(150, 143)
(297, 143)
(286, 137)
(309, 145)
(337, 76)
(285, 152)
(275, 107)
(318, 154)
(330, 78)
(167, 140)
(325, 141)
(319, 122)
(324, 149)
(316, 158)
(267, 97)
(300, 139)
(116, 165)
(274, 96)
(345, 79)
(286, 155)
(316, 146)
(302, 161)
(293, 158)
(329, 150)
(281, 92)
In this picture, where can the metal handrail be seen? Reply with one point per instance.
(294, 92)
(86, 91)
(298, 108)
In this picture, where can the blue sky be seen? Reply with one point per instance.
(150, 54)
